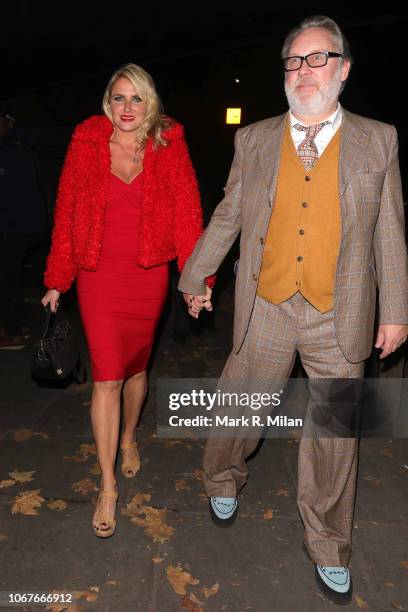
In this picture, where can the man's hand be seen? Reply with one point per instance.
(196, 303)
(390, 337)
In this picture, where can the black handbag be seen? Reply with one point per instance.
(56, 356)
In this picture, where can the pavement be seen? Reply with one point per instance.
(166, 555)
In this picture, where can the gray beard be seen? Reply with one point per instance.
(322, 101)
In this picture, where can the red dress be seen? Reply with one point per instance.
(120, 303)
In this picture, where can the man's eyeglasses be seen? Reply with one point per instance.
(313, 60)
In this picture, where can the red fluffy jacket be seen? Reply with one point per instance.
(171, 216)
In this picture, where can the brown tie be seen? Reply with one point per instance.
(307, 150)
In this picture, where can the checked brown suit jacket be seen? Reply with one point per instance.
(372, 249)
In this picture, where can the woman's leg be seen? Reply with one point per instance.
(105, 416)
(134, 393)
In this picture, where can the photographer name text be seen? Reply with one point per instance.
(242, 421)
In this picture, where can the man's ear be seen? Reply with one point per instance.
(345, 69)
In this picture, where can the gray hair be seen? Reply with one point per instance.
(340, 42)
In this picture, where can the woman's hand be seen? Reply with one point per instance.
(196, 303)
(51, 298)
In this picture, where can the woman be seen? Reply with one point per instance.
(127, 195)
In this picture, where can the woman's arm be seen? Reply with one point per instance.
(220, 233)
(188, 225)
(61, 269)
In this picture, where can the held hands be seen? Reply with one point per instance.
(196, 303)
(51, 298)
(390, 337)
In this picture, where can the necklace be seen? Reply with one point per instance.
(136, 157)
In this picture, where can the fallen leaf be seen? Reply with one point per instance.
(91, 596)
(84, 486)
(154, 527)
(87, 595)
(150, 518)
(4, 484)
(64, 607)
(133, 508)
(21, 435)
(211, 592)
(158, 559)
(27, 502)
(198, 474)
(282, 492)
(187, 603)
(77, 458)
(397, 606)
(361, 603)
(111, 582)
(58, 504)
(22, 476)
(42, 434)
(87, 449)
(404, 564)
(195, 599)
(95, 588)
(390, 585)
(95, 470)
(181, 485)
(268, 515)
(3, 537)
(179, 579)
(386, 452)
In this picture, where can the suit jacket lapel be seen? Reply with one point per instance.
(268, 152)
(353, 146)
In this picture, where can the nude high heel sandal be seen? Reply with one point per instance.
(104, 526)
(130, 468)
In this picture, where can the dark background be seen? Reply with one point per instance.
(57, 58)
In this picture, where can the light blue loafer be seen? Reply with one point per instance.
(335, 583)
(223, 510)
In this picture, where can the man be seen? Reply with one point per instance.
(23, 226)
(316, 195)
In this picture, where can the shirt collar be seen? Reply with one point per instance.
(335, 118)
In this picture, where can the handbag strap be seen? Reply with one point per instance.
(47, 320)
(48, 317)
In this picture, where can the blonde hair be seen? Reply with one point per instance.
(155, 121)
